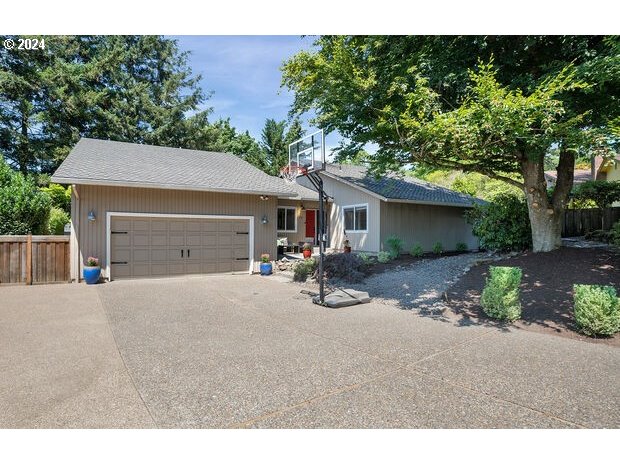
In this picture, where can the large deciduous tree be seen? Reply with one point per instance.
(492, 105)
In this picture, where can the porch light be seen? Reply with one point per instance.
(91, 215)
(264, 219)
(264, 197)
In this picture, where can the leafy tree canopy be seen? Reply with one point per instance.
(491, 105)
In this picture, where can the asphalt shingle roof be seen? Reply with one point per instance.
(94, 161)
(304, 193)
(396, 187)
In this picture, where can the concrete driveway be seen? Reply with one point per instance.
(246, 351)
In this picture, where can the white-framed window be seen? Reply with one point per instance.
(287, 219)
(355, 218)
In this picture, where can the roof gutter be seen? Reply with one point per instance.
(97, 182)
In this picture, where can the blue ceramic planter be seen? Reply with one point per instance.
(265, 269)
(92, 274)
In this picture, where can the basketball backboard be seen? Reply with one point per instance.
(307, 155)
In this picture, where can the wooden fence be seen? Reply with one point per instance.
(34, 259)
(579, 222)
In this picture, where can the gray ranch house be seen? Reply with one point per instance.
(150, 211)
(367, 210)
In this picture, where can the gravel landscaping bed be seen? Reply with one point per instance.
(420, 285)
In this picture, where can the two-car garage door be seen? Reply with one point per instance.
(144, 246)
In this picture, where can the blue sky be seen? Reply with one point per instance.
(243, 74)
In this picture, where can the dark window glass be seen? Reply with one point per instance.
(281, 218)
(348, 219)
(360, 218)
(286, 219)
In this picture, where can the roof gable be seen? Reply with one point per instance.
(397, 188)
(94, 161)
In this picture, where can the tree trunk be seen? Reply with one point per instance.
(546, 214)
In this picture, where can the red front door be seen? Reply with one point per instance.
(310, 223)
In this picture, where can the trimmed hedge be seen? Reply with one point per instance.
(597, 309)
(500, 297)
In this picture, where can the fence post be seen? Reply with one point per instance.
(29, 260)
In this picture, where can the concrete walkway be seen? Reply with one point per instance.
(249, 351)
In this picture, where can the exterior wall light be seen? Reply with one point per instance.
(91, 215)
(264, 219)
(264, 197)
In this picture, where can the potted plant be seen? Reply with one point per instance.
(307, 250)
(347, 246)
(265, 265)
(92, 270)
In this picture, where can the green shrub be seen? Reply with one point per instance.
(23, 207)
(384, 257)
(394, 246)
(614, 234)
(417, 250)
(304, 268)
(500, 297)
(503, 224)
(61, 197)
(461, 247)
(597, 309)
(58, 219)
(366, 258)
(438, 248)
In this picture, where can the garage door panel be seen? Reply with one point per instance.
(141, 225)
(120, 240)
(159, 225)
(193, 239)
(241, 240)
(224, 240)
(152, 246)
(176, 239)
(209, 226)
(141, 269)
(194, 226)
(225, 226)
(159, 239)
(159, 254)
(241, 226)
(209, 239)
(224, 267)
(141, 255)
(122, 255)
(193, 267)
(159, 269)
(121, 224)
(177, 226)
(176, 268)
(141, 240)
(121, 271)
(225, 254)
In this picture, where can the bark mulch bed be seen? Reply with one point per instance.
(546, 290)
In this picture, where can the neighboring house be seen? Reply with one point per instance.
(158, 211)
(367, 210)
(580, 176)
(600, 170)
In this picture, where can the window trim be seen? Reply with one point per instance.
(286, 207)
(354, 207)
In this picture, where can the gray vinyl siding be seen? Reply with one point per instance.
(91, 236)
(426, 225)
(345, 195)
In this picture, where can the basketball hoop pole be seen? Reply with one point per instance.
(317, 181)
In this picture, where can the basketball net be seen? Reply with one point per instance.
(291, 173)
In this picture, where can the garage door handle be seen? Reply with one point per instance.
(187, 253)
(181, 253)
(118, 263)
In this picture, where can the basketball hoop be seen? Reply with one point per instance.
(290, 173)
